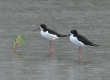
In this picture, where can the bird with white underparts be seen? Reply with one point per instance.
(80, 41)
(49, 34)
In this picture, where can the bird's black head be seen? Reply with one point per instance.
(74, 32)
(43, 26)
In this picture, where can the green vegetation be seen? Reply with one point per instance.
(18, 40)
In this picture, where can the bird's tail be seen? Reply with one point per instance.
(95, 45)
(65, 35)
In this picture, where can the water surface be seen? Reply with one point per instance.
(32, 60)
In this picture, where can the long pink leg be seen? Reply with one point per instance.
(80, 54)
(51, 46)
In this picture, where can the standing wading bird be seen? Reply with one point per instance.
(50, 35)
(80, 41)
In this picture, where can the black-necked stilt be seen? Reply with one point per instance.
(80, 41)
(50, 35)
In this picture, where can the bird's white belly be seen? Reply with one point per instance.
(48, 36)
(75, 41)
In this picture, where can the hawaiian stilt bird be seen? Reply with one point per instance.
(50, 35)
(80, 41)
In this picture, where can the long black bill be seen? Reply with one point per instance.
(68, 35)
(36, 29)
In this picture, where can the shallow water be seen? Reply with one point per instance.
(33, 61)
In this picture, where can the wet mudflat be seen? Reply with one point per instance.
(33, 61)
